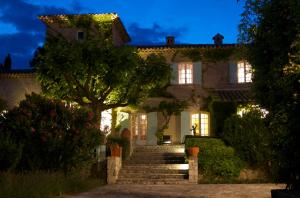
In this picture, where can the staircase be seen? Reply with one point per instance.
(155, 165)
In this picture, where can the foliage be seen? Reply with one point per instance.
(167, 109)
(215, 158)
(43, 184)
(249, 136)
(123, 142)
(220, 111)
(273, 28)
(43, 134)
(207, 54)
(96, 73)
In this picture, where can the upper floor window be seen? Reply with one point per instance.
(185, 73)
(80, 35)
(244, 72)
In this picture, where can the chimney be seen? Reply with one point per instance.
(170, 40)
(218, 39)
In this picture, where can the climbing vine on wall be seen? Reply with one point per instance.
(209, 54)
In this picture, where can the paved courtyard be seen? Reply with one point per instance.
(180, 191)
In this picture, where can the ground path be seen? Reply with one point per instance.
(181, 191)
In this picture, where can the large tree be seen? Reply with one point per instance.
(96, 73)
(271, 28)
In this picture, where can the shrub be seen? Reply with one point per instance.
(249, 136)
(215, 158)
(46, 135)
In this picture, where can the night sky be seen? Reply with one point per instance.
(147, 21)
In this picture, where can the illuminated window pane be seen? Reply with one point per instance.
(244, 72)
(143, 126)
(195, 122)
(185, 73)
(204, 124)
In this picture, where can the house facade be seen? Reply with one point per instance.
(201, 74)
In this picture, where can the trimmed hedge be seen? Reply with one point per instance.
(215, 158)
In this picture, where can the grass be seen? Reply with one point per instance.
(44, 184)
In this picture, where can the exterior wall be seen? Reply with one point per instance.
(13, 87)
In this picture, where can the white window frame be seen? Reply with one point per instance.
(244, 72)
(185, 73)
(203, 128)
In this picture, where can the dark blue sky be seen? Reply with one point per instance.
(147, 21)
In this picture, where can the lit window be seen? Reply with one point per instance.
(195, 123)
(201, 122)
(143, 126)
(185, 73)
(204, 124)
(244, 72)
(139, 126)
(80, 35)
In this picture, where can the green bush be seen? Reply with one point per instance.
(249, 136)
(43, 134)
(215, 158)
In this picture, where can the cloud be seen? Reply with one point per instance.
(154, 35)
(30, 31)
(21, 47)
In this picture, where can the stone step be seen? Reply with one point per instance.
(178, 149)
(154, 161)
(182, 166)
(152, 181)
(152, 170)
(150, 159)
(148, 155)
(152, 176)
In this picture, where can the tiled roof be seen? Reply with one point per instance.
(233, 95)
(145, 47)
(27, 73)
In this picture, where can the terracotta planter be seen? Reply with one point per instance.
(193, 151)
(115, 150)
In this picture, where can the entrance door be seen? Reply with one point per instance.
(139, 128)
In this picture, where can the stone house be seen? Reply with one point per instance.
(201, 74)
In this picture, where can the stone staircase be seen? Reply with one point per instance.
(155, 165)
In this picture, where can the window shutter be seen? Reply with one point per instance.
(185, 124)
(197, 73)
(232, 72)
(174, 78)
(151, 128)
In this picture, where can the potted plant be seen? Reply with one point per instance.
(193, 151)
(115, 150)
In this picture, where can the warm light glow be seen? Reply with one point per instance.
(204, 124)
(183, 166)
(244, 72)
(195, 122)
(179, 150)
(241, 110)
(201, 121)
(185, 73)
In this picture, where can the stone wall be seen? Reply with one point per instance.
(14, 86)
